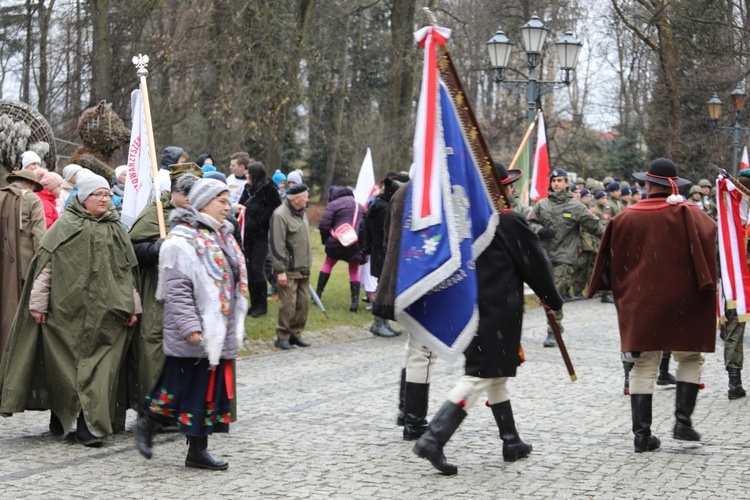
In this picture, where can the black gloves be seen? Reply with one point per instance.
(546, 233)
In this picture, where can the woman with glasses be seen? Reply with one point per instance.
(71, 329)
(203, 282)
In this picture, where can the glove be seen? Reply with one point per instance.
(546, 233)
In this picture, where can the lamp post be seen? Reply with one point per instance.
(533, 35)
(715, 108)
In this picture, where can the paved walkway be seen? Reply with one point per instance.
(320, 423)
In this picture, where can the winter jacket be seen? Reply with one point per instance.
(182, 316)
(259, 206)
(566, 215)
(289, 241)
(49, 202)
(372, 233)
(340, 210)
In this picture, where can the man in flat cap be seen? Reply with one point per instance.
(671, 243)
(291, 260)
(558, 220)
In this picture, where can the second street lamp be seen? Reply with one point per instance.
(715, 108)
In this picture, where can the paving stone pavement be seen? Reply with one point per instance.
(319, 423)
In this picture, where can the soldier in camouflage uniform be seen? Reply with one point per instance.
(558, 220)
(709, 202)
(604, 211)
(615, 198)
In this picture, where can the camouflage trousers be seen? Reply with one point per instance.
(733, 333)
(582, 273)
(563, 280)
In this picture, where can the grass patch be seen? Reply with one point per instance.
(336, 300)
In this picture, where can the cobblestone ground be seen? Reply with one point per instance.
(320, 423)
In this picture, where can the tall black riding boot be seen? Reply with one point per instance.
(401, 396)
(354, 288)
(322, 280)
(640, 405)
(685, 398)
(513, 447)
(441, 428)
(199, 457)
(143, 432)
(416, 397)
(735, 384)
(55, 426)
(664, 377)
(259, 299)
(627, 367)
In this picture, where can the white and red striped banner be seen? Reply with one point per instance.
(732, 209)
(429, 144)
(540, 176)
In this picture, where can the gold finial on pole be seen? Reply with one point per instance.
(140, 62)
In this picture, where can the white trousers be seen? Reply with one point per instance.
(646, 369)
(469, 388)
(418, 361)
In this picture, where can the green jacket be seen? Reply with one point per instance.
(145, 356)
(71, 363)
(289, 242)
(566, 215)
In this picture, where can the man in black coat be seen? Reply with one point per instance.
(514, 257)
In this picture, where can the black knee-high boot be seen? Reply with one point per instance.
(416, 397)
(199, 457)
(664, 377)
(354, 288)
(322, 280)
(143, 432)
(685, 397)
(640, 405)
(441, 428)
(513, 447)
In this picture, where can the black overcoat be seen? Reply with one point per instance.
(515, 256)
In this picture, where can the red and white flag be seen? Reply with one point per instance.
(139, 184)
(540, 177)
(429, 145)
(744, 163)
(365, 181)
(732, 209)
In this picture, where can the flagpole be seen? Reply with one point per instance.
(141, 62)
(519, 152)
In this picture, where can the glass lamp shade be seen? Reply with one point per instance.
(715, 107)
(534, 33)
(499, 48)
(568, 49)
(738, 98)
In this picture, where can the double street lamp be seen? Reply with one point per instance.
(715, 108)
(533, 34)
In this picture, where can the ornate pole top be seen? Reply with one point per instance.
(140, 62)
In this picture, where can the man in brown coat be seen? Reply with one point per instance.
(22, 226)
(659, 259)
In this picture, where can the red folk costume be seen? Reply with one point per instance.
(639, 260)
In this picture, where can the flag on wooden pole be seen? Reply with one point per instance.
(732, 208)
(139, 185)
(540, 176)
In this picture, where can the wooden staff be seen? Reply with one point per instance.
(519, 152)
(558, 337)
(140, 62)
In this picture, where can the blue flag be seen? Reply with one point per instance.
(436, 287)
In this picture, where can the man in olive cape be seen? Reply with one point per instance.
(71, 362)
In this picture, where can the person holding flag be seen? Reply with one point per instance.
(514, 257)
(558, 220)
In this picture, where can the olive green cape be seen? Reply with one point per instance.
(145, 357)
(72, 362)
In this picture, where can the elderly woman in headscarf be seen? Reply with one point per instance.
(203, 281)
(72, 325)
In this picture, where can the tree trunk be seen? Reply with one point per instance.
(26, 71)
(45, 13)
(101, 54)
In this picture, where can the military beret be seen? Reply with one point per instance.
(585, 192)
(625, 191)
(558, 172)
(599, 194)
(613, 186)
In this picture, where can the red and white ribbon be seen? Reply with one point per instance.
(429, 144)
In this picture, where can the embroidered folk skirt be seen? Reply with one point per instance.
(192, 396)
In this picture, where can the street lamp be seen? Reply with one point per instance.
(715, 108)
(533, 35)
